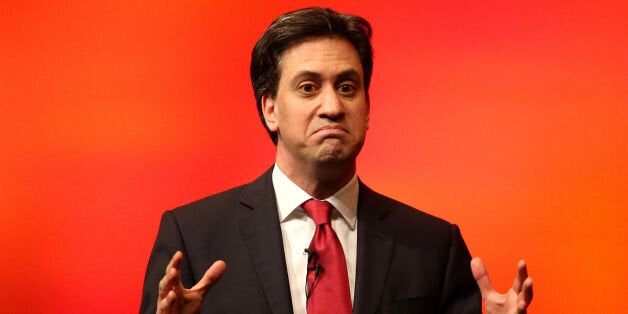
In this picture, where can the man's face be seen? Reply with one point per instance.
(320, 112)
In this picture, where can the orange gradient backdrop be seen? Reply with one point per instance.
(507, 118)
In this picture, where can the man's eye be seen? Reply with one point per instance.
(346, 89)
(307, 88)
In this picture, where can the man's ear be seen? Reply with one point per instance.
(368, 111)
(270, 112)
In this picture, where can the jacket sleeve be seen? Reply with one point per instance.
(169, 240)
(460, 292)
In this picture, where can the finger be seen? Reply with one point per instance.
(525, 297)
(168, 282)
(171, 276)
(481, 276)
(211, 276)
(522, 274)
(175, 261)
(165, 305)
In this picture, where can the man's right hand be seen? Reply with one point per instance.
(174, 298)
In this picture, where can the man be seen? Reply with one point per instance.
(311, 72)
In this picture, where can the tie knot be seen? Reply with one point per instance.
(319, 211)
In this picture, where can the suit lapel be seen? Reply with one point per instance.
(262, 236)
(375, 249)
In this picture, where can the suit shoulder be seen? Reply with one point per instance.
(220, 197)
(209, 208)
(405, 220)
(228, 204)
(398, 208)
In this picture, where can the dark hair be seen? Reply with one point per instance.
(296, 27)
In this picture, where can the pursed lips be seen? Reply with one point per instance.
(331, 129)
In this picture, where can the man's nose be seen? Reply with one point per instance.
(332, 107)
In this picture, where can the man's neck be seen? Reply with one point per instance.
(319, 180)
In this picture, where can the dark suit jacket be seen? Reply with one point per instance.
(407, 261)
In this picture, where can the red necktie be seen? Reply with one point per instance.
(327, 285)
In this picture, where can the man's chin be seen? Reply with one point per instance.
(335, 154)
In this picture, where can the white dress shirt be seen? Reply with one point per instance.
(297, 230)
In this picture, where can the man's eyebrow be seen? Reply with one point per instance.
(351, 74)
(302, 74)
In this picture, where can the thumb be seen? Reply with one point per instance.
(481, 276)
(211, 276)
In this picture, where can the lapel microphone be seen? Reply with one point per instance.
(312, 265)
(311, 256)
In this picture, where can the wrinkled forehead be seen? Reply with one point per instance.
(319, 55)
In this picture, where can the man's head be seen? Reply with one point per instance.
(297, 27)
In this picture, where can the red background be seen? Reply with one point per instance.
(507, 118)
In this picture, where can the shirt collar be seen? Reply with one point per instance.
(290, 197)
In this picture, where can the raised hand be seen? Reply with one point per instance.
(176, 299)
(516, 300)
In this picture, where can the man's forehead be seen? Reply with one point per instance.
(311, 56)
